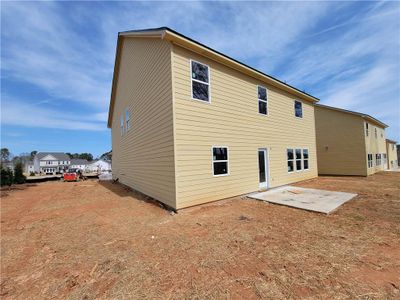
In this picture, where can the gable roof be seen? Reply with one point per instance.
(362, 115)
(56, 155)
(179, 39)
(79, 161)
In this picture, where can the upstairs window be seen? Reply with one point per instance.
(298, 109)
(200, 81)
(366, 129)
(376, 133)
(127, 120)
(122, 125)
(262, 100)
(220, 161)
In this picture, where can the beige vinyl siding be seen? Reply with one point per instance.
(143, 158)
(392, 162)
(340, 143)
(231, 119)
(375, 145)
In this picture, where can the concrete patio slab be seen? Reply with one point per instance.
(309, 199)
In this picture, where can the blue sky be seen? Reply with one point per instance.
(57, 59)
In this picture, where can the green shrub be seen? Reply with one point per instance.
(19, 177)
(6, 176)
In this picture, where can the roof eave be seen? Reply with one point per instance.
(221, 58)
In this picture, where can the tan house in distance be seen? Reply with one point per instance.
(191, 125)
(348, 142)
(392, 159)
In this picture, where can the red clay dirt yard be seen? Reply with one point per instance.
(90, 240)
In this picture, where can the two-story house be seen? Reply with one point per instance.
(349, 142)
(191, 125)
(392, 159)
(51, 162)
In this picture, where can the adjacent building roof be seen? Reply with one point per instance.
(56, 155)
(391, 141)
(186, 42)
(79, 161)
(362, 115)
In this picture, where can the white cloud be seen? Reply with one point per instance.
(17, 113)
(67, 50)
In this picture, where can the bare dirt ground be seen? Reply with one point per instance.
(91, 240)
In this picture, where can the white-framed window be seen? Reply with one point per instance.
(384, 158)
(220, 160)
(262, 100)
(290, 160)
(306, 165)
(122, 125)
(366, 129)
(298, 159)
(127, 120)
(370, 161)
(392, 146)
(200, 77)
(298, 109)
(378, 159)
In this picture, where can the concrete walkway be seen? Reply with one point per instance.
(303, 198)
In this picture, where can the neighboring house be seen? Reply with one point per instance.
(191, 125)
(392, 158)
(29, 167)
(77, 163)
(51, 162)
(98, 165)
(348, 142)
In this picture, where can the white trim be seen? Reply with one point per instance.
(295, 159)
(267, 173)
(266, 101)
(127, 114)
(227, 161)
(207, 83)
(294, 109)
(121, 125)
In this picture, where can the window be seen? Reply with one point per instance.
(305, 159)
(122, 125)
(376, 133)
(366, 129)
(262, 100)
(298, 109)
(290, 160)
(370, 161)
(392, 146)
(298, 160)
(127, 120)
(384, 158)
(220, 161)
(378, 159)
(200, 81)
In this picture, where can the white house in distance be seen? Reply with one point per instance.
(99, 165)
(78, 163)
(51, 162)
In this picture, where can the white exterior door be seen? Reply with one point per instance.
(263, 168)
